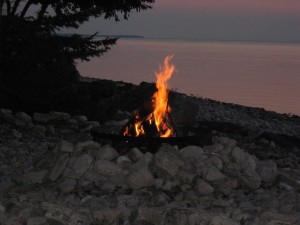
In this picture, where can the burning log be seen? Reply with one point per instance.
(156, 123)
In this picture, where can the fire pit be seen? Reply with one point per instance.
(151, 124)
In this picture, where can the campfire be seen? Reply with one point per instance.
(154, 121)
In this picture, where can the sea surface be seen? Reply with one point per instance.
(265, 75)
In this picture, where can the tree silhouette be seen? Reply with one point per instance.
(29, 46)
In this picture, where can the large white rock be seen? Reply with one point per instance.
(105, 167)
(166, 164)
(107, 152)
(192, 153)
(267, 171)
(81, 165)
(139, 175)
(24, 117)
(80, 146)
(251, 179)
(213, 174)
(59, 167)
(64, 146)
(135, 154)
(124, 161)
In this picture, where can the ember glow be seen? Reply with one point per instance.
(161, 109)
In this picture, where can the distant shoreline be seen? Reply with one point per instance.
(133, 36)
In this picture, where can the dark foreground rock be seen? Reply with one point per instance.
(53, 172)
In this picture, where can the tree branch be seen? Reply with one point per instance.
(26, 7)
(8, 7)
(1, 6)
(42, 11)
(15, 7)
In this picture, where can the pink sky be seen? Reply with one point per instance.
(272, 6)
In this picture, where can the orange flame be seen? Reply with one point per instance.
(160, 105)
(160, 98)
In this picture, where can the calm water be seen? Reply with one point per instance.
(251, 74)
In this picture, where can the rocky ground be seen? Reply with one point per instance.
(53, 172)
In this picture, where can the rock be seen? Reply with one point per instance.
(46, 160)
(24, 117)
(249, 163)
(215, 148)
(59, 167)
(60, 116)
(238, 155)
(192, 154)
(80, 118)
(251, 179)
(148, 157)
(35, 177)
(158, 183)
(80, 146)
(79, 219)
(72, 123)
(167, 164)
(186, 176)
(111, 216)
(190, 196)
(107, 168)
(280, 219)
(150, 215)
(139, 176)
(214, 161)
(2, 212)
(291, 177)
(41, 118)
(56, 212)
(14, 221)
(212, 174)
(227, 185)
(107, 152)
(225, 141)
(222, 220)
(67, 186)
(16, 134)
(85, 126)
(64, 146)
(124, 161)
(245, 160)
(168, 185)
(182, 215)
(8, 117)
(36, 221)
(39, 130)
(267, 171)
(135, 154)
(50, 130)
(203, 188)
(238, 215)
(232, 169)
(81, 165)
(5, 111)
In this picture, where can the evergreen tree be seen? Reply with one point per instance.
(30, 50)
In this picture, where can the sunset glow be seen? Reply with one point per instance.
(272, 6)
